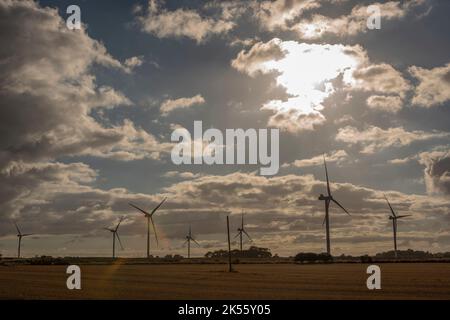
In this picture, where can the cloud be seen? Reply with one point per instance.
(434, 85)
(338, 156)
(61, 199)
(353, 23)
(279, 14)
(381, 78)
(403, 160)
(392, 104)
(183, 175)
(374, 139)
(170, 105)
(133, 62)
(181, 23)
(437, 171)
(49, 93)
(299, 69)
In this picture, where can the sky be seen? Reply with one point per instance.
(87, 117)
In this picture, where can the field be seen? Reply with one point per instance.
(251, 281)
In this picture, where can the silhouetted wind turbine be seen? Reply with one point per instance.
(394, 218)
(114, 235)
(189, 238)
(241, 231)
(20, 235)
(328, 198)
(149, 217)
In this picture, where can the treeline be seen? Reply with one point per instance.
(252, 252)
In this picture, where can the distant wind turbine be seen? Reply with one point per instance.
(189, 238)
(328, 199)
(20, 235)
(394, 219)
(149, 217)
(114, 235)
(241, 231)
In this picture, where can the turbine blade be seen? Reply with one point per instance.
(141, 210)
(157, 207)
(237, 235)
(196, 242)
(27, 234)
(326, 174)
(324, 219)
(247, 235)
(154, 229)
(390, 207)
(404, 216)
(242, 224)
(185, 243)
(120, 221)
(17, 228)
(109, 229)
(118, 238)
(335, 201)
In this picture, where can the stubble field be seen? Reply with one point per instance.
(251, 281)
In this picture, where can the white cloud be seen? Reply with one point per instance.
(338, 156)
(181, 23)
(300, 69)
(133, 62)
(434, 85)
(437, 171)
(49, 93)
(381, 78)
(170, 105)
(280, 14)
(392, 104)
(374, 139)
(353, 23)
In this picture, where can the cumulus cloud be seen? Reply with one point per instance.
(278, 209)
(299, 69)
(403, 160)
(381, 78)
(355, 22)
(280, 14)
(374, 139)
(170, 105)
(181, 23)
(48, 92)
(392, 104)
(433, 87)
(338, 156)
(437, 171)
(133, 62)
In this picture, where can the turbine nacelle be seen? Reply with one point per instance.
(322, 197)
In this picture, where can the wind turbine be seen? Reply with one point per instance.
(189, 238)
(241, 231)
(149, 217)
(114, 235)
(20, 235)
(328, 199)
(394, 218)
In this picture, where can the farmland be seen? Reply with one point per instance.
(211, 281)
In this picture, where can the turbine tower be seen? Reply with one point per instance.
(20, 235)
(394, 219)
(189, 238)
(328, 199)
(242, 231)
(149, 217)
(114, 235)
